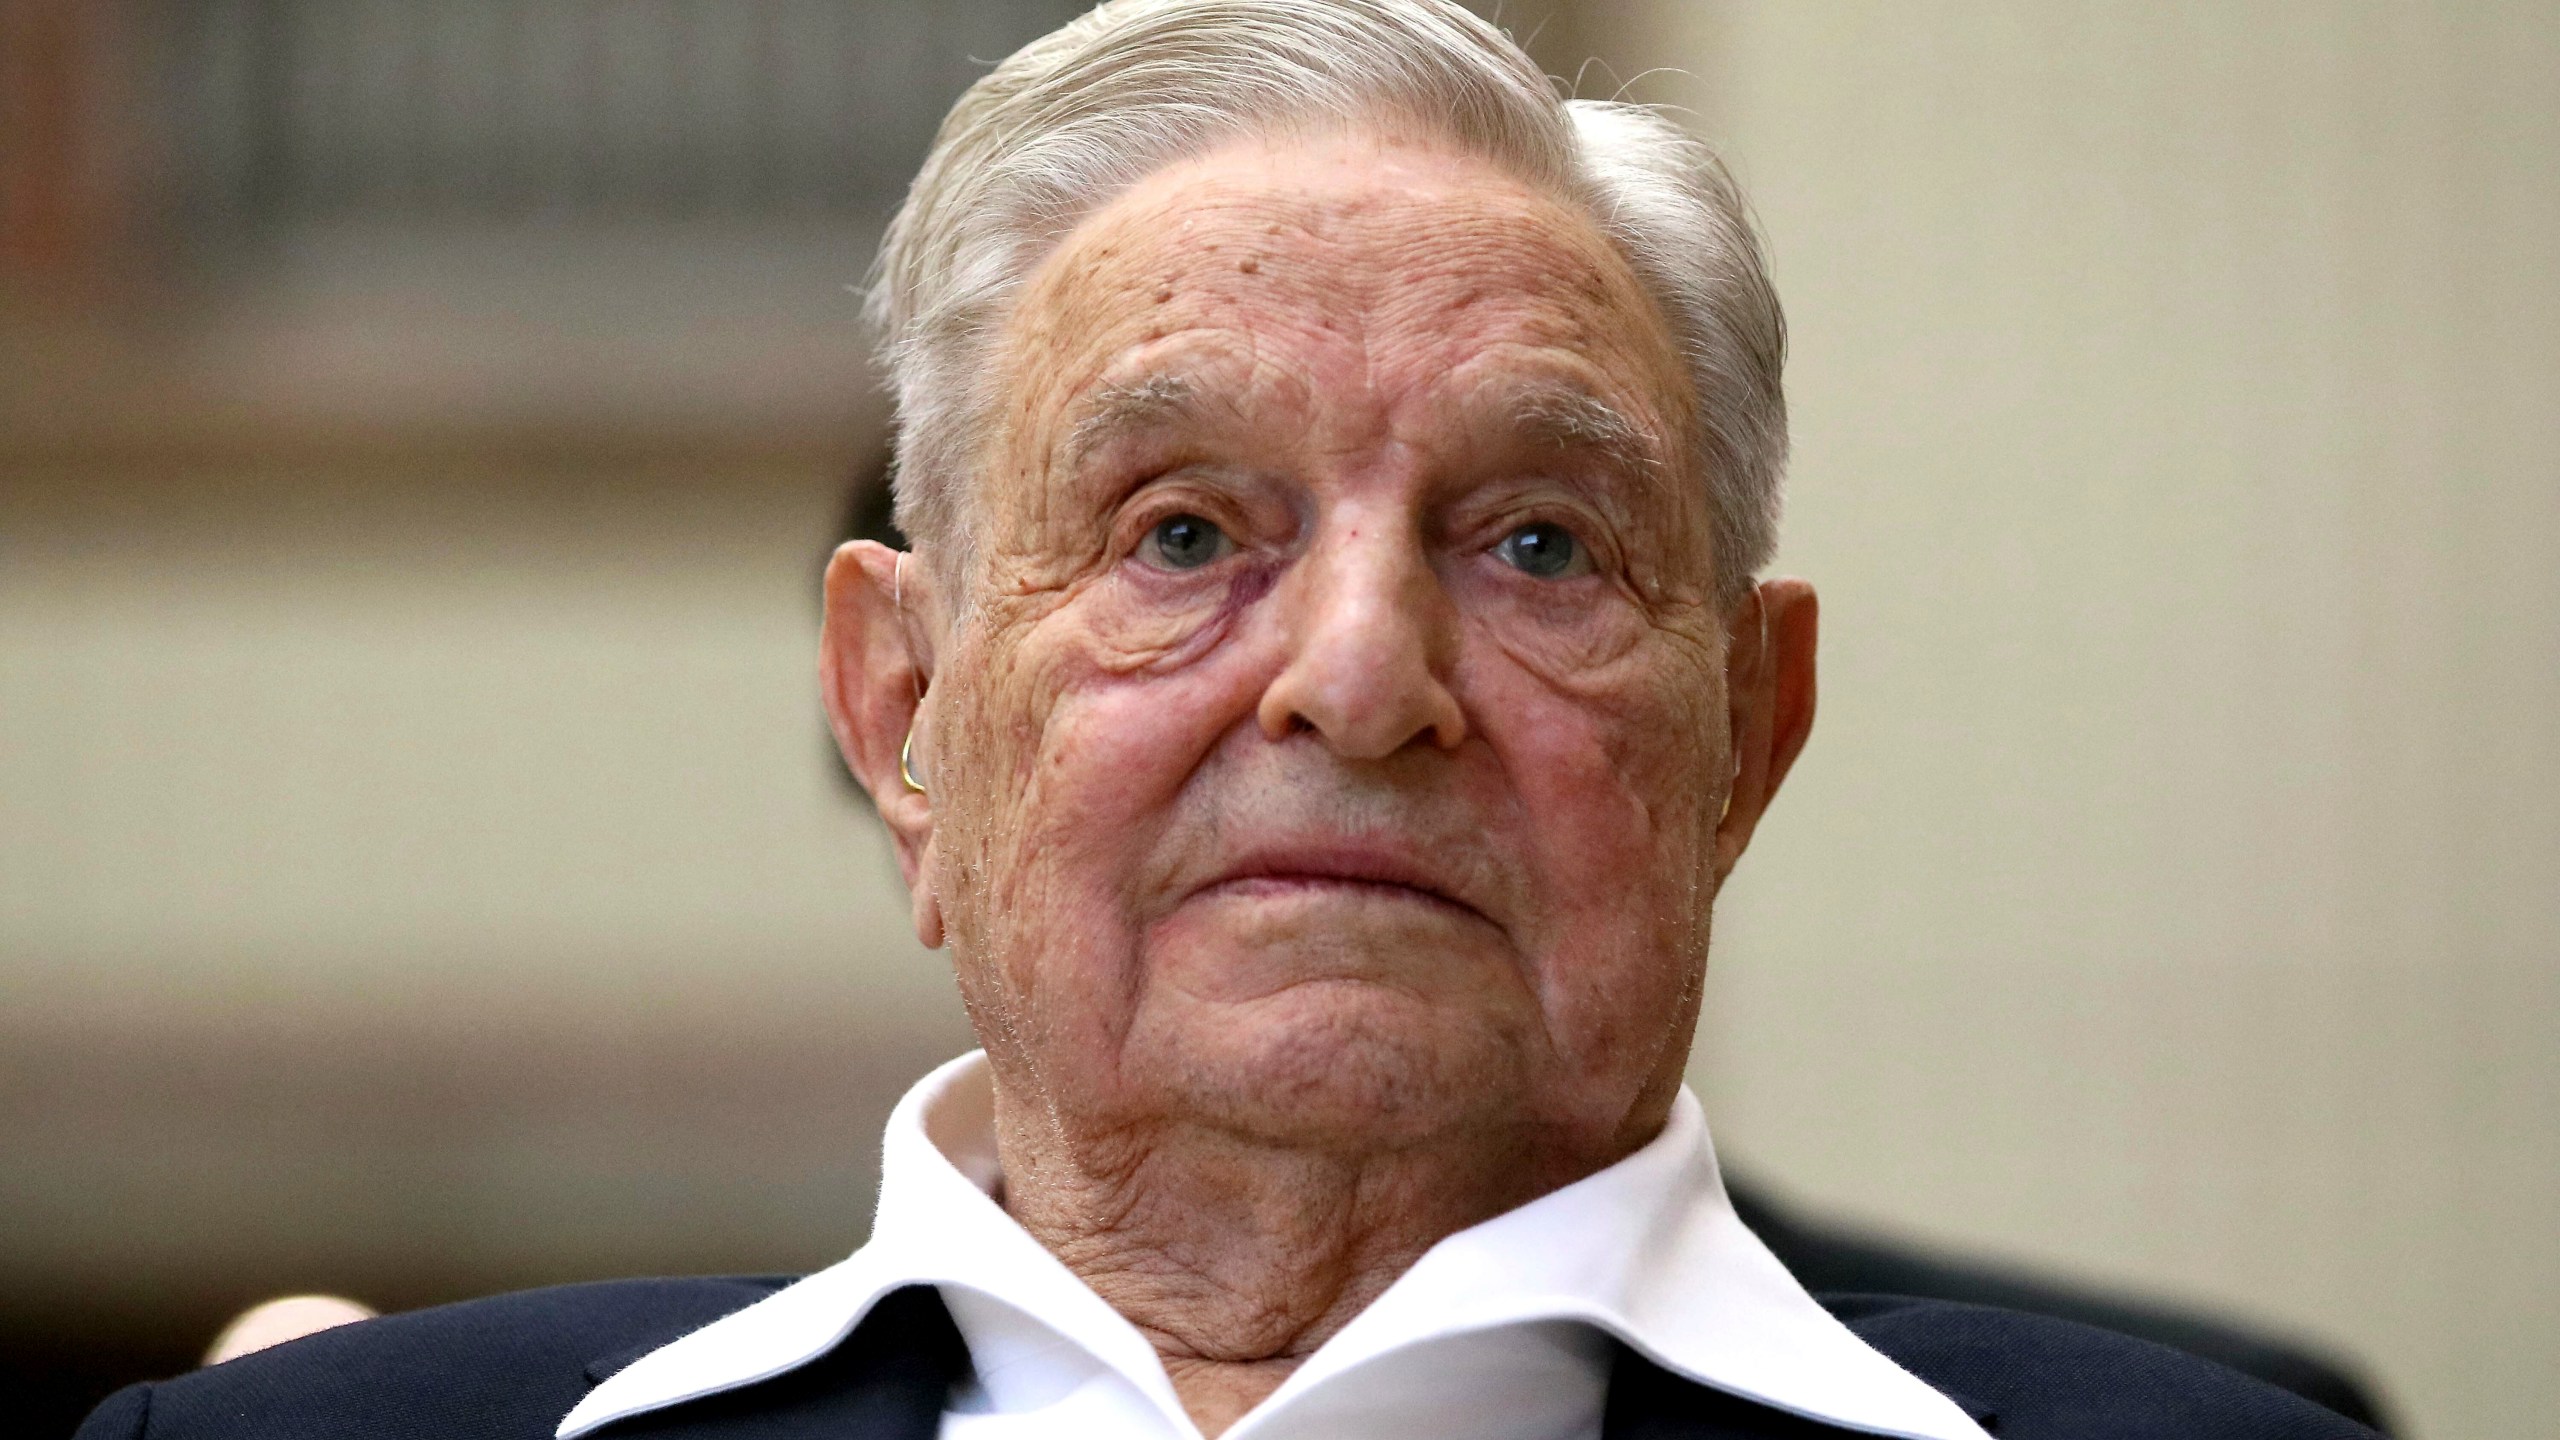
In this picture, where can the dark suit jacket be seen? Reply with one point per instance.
(1826, 1257)
(508, 1368)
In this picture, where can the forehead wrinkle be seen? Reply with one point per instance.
(1345, 257)
(1210, 389)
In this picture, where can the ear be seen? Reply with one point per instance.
(875, 661)
(1769, 689)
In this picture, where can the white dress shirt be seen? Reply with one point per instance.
(1500, 1332)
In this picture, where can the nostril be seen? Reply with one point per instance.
(1301, 725)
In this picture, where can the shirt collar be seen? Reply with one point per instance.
(1648, 1250)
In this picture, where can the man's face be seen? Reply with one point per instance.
(1329, 748)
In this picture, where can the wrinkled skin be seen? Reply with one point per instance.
(1352, 886)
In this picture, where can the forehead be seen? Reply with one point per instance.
(1348, 263)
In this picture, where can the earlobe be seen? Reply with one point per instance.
(927, 914)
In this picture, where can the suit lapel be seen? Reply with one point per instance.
(888, 1380)
(1647, 1402)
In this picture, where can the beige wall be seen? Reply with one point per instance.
(2172, 888)
(424, 875)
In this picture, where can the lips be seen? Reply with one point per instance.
(1394, 872)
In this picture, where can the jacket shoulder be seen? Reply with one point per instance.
(504, 1368)
(2038, 1376)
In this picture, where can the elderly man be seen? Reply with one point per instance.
(1328, 689)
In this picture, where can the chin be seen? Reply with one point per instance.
(1335, 1064)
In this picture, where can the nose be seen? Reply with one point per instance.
(1372, 634)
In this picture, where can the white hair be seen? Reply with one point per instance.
(1076, 117)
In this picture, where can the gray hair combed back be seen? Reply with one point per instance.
(1074, 118)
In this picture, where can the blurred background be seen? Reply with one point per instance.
(423, 871)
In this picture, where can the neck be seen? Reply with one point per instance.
(1238, 1258)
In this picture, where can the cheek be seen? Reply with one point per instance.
(1614, 770)
(1559, 632)
(1611, 728)
(1060, 668)
(1078, 757)
(1112, 762)
(1135, 687)
(1614, 794)
(1142, 624)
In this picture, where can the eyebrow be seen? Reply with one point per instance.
(1555, 413)
(1568, 417)
(1150, 402)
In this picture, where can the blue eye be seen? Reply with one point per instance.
(1183, 542)
(1543, 550)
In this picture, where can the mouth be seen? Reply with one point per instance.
(1346, 871)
